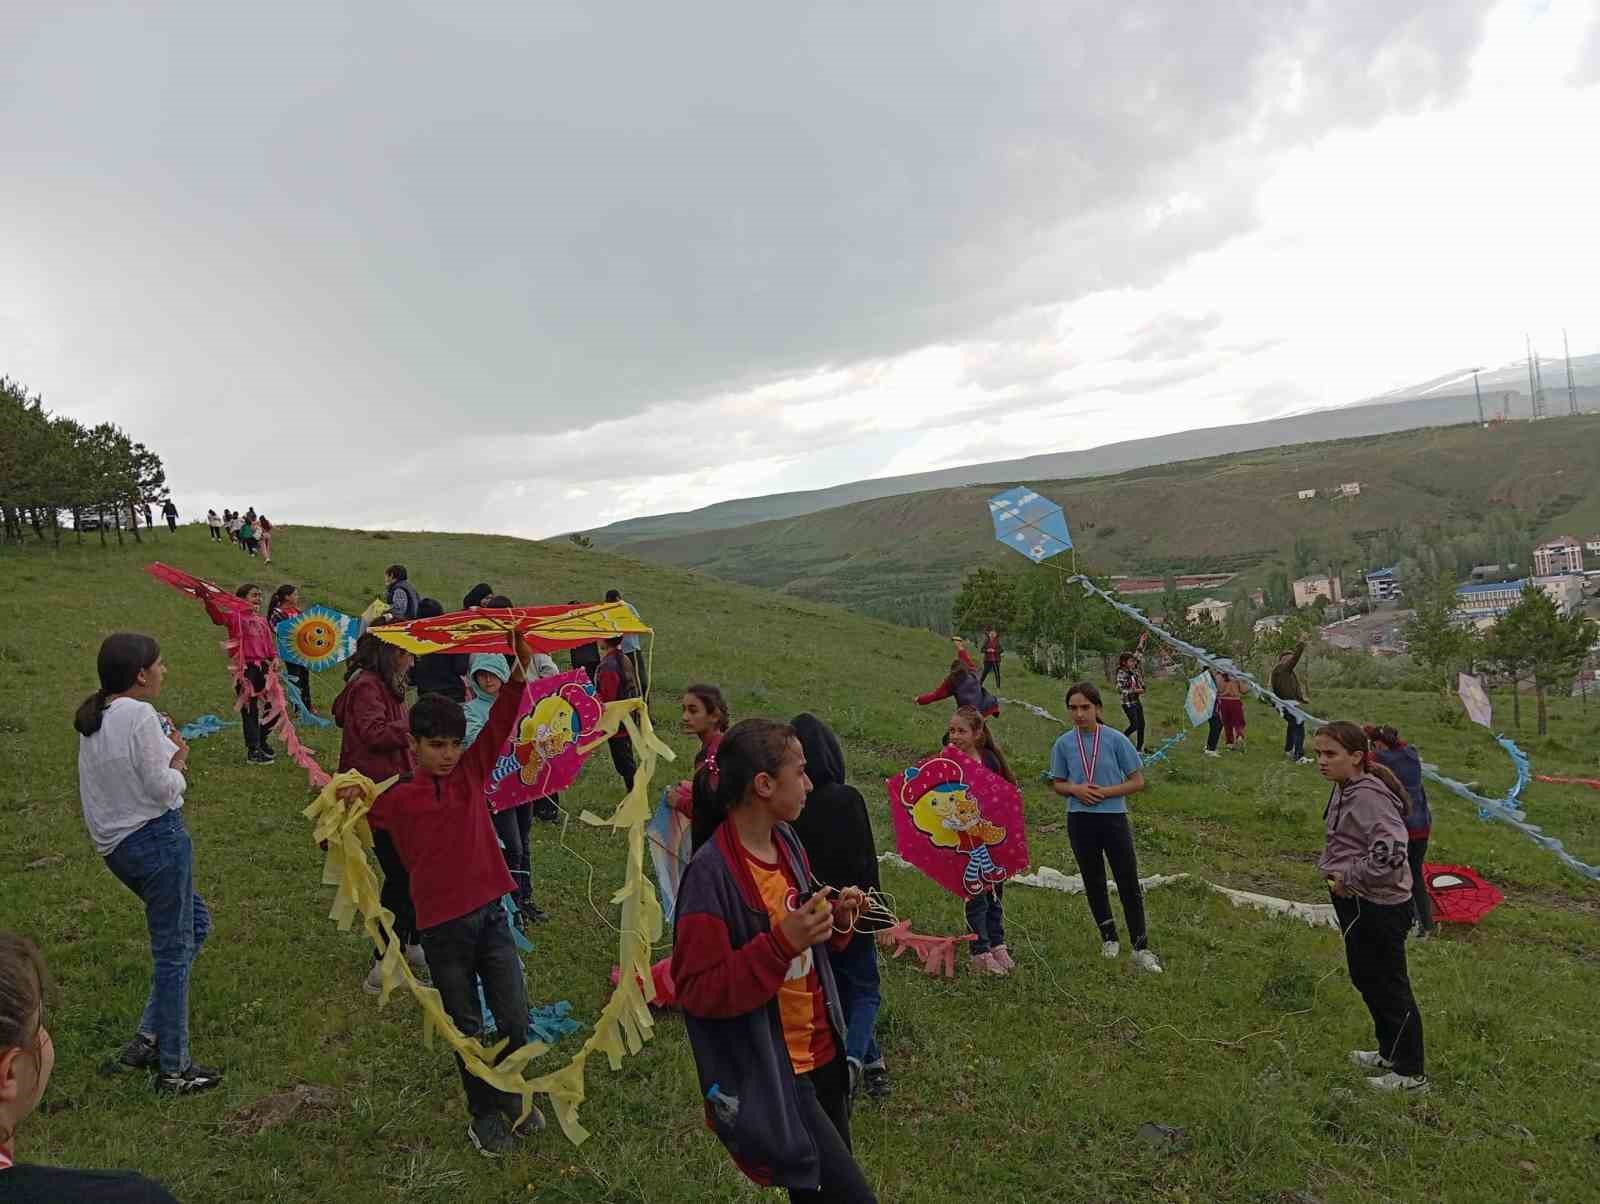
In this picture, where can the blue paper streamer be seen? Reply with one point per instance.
(202, 726)
(1503, 810)
(1161, 750)
(302, 713)
(548, 1023)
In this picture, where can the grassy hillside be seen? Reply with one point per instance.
(1035, 1087)
(1229, 513)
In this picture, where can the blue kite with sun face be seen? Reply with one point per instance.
(319, 637)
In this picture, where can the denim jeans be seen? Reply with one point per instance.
(157, 864)
(986, 918)
(1294, 737)
(460, 952)
(855, 970)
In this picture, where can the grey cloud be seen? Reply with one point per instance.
(1171, 337)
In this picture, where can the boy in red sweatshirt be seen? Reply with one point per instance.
(445, 836)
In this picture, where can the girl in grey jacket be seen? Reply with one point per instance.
(1364, 864)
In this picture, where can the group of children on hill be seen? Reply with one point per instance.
(778, 986)
(250, 532)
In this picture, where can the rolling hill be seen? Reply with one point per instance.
(1442, 401)
(1236, 513)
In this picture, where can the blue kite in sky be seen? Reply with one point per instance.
(1029, 524)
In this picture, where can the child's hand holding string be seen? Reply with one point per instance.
(809, 923)
(847, 907)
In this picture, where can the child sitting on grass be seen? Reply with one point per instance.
(446, 839)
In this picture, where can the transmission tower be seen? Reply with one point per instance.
(1535, 395)
(1572, 390)
(1476, 392)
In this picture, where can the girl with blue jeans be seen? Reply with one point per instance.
(837, 837)
(130, 779)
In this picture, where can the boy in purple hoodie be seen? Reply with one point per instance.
(1365, 866)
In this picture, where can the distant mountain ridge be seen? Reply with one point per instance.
(1398, 411)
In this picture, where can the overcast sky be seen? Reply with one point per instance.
(535, 267)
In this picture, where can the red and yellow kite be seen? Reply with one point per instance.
(546, 628)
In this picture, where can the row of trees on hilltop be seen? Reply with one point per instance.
(1532, 642)
(52, 466)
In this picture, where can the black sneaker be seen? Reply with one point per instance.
(532, 913)
(189, 1082)
(142, 1053)
(532, 1125)
(266, 754)
(854, 1068)
(546, 812)
(877, 1081)
(256, 757)
(491, 1135)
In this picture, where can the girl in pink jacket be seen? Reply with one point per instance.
(251, 643)
(1364, 864)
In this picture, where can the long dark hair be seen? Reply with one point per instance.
(711, 698)
(244, 590)
(958, 671)
(751, 747)
(986, 742)
(1088, 690)
(380, 659)
(278, 595)
(123, 656)
(23, 983)
(1351, 738)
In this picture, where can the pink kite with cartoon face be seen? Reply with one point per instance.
(554, 734)
(958, 822)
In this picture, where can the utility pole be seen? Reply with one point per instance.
(1536, 402)
(1476, 392)
(1572, 390)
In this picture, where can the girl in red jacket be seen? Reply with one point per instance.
(963, 684)
(760, 1004)
(374, 740)
(1364, 863)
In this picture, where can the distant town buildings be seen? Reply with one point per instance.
(1383, 585)
(1349, 489)
(1155, 585)
(1484, 602)
(1592, 545)
(1269, 623)
(1308, 589)
(1305, 495)
(1566, 591)
(1560, 555)
(1214, 609)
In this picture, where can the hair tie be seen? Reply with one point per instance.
(710, 764)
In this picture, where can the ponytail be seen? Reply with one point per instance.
(123, 656)
(1352, 738)
(751, 747)
(1386, 775)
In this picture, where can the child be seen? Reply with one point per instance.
(447, 842)
(1130, 685)
(476, 595)
(285, 604)
(985, 910)
(962, 682)
(130, 779)
(1400, 759)
(1230, 708)
(1286, 684)
(705, 717)
(1214, 723)
(614, 680)
(489, 673)
(1364, 863)
(760, 1007)
(258, 649)
(264, 537)
(439, 672)
(400, 594)
(837, 835)
(1097, 768)
(247, 534)
(375, 740)
(214, 525)
(992, 652)
(27, 1056)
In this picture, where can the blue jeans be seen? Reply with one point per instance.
(855, 970)
(986, 917)
(157, 864)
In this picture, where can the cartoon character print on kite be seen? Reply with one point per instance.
(319, 637)
(548, 745)
(1459, 893)
(943, 810)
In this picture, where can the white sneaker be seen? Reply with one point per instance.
(1109, 950)
(1305, 761)
(374, 983)
(1370, 1059)
(1407, 1084)
(417, 959)
(1143, 959)
(1211, 752)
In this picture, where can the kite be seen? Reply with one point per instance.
(1029, 524)
(198, 587)
(319, 637)
(1473, 697)
(670, 849)
(546, 628)
(1200, 700)
(555, 732)
(958, 822)
(1459, 894)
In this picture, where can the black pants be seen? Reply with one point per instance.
(1375, 949)
(1096, 839)
(301, 676)
(1214, 732)
(988, 668)
(216, 534)
(511, 826)
(986, 917)
(825, 1110)
(622, 757)
(1421, 901)
(172, 524)
(460, 952)
(255, 732)
(396, 893)
(1294, 737)
(1135, 729)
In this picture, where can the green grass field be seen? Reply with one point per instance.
(1031, 1089)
